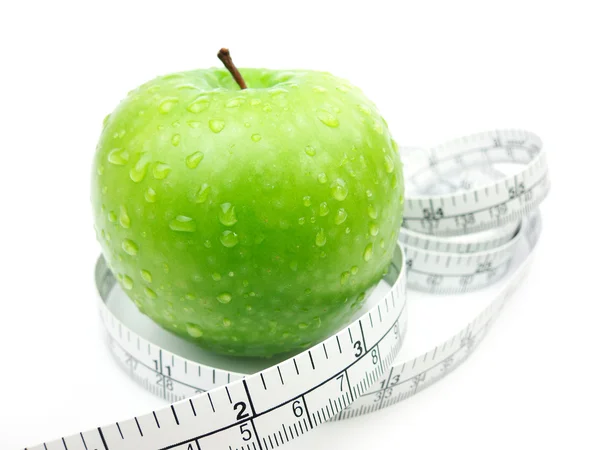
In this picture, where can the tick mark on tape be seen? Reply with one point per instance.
(156, 419)
(138, 427)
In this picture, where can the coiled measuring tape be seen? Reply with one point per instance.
(464, 219)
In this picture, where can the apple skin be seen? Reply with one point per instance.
(249, 221)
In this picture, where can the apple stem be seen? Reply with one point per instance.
(225, 58)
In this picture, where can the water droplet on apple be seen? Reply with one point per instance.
(372, 212)
(247, 124)
(150, 293)
(166, 314)
(183, 223)
(301, 221)
(118, 156)
(306, 200)
(344, 278)
(373, 229)
(100, 170)
(216, 276)
(146, 276)
(348, 230)
(150, 195)
(130, 247)
(233, 103)
(343, 89)
(207, 244)
(112, 217)
(322, 178)
(378, 127)
(198, 105)
(224, 297)
(354, 270)
(229, 238)
(321, 239)
(368, 253)
(323, 209)
(138, 172)
(313, 219)
(104, 189)
(256, 137)
(339, 190)
(124, 219)
(227, 214)
(185, 86)
(310, 151)
(340, 216)
(202, 193)
(193, 330)
(255, 101)
(302, 325)
(327, 118)
(167, 104)
(267, 108)
(127, 282)
(216, 125)
(161, 171)
(388, 164)
(394, 181)
(382, 243)
(226, 322)
(194, 124)
(319, 89)
(369, 193)
(175, 140)
(194, 159)
(365, 110)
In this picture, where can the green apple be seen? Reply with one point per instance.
(251, 221)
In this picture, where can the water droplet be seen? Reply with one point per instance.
(343, 89)
(167, 104)
(207, 244)
(150, 293)
(378, 128)
(301, 221)
(127, 282)
(112, 217)
(321, 239)
(216, 276)
(306, 200)
(310, 150)
(255, 101)
(340, 216)
(130, 247)
(247, 124)
(275, 92)
(193, 330)
(227, 214)
(118, 156)
(319, 89)
(372, 212)
(323, 209)
(216, 125)
(394, 181)
(388, 163)
(348, 230)
(322, 178)
(382, 243)
(294, 265)
(365, 110)
(339, 190)
(256, 137)
(226, 322)
(224, 297)
(166, 267)
(183, 223)
(198, 105)
(150, 195)
(267, 108)
(202, 193)
(161, 171)
(368, 253)
(194, 159)
(124, 219)
(313, 219)
(369, 193)
(302, 325)
(327, 118)
(354, 270)
(344, 278)
(229, 238)
(373, 229)
(100, 170)
(138, 172)
(233, 103)
(175, 140)
(146, 276)
(194, 124)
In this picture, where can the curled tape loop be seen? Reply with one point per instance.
(470, 203)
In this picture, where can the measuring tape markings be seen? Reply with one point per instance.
(353, 372)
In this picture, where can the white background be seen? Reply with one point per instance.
(437, 70)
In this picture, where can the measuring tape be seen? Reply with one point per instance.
(465, 216)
